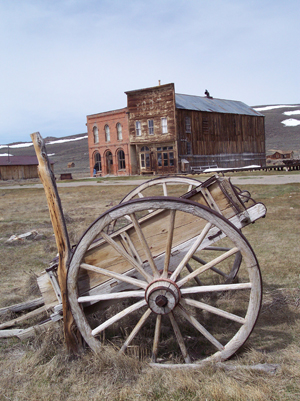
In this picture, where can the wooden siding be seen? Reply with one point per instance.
(221, 134)
(152, 104)
(18, 172)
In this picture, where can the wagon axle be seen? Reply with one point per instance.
(162, 296)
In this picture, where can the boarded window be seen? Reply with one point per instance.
(205, 126)
(188, 124)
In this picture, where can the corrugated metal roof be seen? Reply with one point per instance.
(18, 160)
(199, 103)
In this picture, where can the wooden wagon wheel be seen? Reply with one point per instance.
(158, 308)
(164, 183)
(189, 183)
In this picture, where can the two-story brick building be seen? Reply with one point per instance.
(162, 129)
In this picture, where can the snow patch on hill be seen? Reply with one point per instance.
(272, 107)
(291, 122)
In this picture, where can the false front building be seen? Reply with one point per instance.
(164, 132)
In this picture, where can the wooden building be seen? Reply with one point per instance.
(281, 154)
(18, 167)
(170, 132)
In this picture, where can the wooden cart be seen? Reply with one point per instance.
(169, 279)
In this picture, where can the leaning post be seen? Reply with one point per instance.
(71, 334)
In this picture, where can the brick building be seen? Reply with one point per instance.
(108, 142)
(164, 132)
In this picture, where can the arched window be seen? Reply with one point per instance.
(107, 133)
(97, 162)
(145, 157)
(121, 160)
(119, 132)
(96, 134)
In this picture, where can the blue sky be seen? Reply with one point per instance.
(64, 59)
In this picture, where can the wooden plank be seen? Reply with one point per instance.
(33, 303)
(61, 236)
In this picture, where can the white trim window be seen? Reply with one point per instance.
(107, 133)
(150, 127)
(164, 125)
(138, 131)
(119, 132)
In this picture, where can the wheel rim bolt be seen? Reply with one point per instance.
(161, 301)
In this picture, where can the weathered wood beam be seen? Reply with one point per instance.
(33, 303)
(72, 337)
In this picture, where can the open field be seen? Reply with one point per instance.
(39, 369)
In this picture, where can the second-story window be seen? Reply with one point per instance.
(150, 127)
(138, 131)
(119, 132)
(107, 133)
(96, 134)
(188, 124)
(164, 125)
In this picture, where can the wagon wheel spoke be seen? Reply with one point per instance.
(228, 277)
(126, 256)
(118, 316)
(199, 327)
(144, 244)
(191, 251)
(114, 295)
(156, 338)
(207, 266)
(118, 276)
(179, 338)
(215, 288)
(136, 329)
(190, 269)
(169, 243)
(212, 309)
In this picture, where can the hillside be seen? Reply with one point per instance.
(282, 126)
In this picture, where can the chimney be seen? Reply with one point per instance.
(159, 82)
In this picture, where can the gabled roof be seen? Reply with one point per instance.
(18, 161)
(208, 104)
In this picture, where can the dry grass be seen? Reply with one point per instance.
(40, 369)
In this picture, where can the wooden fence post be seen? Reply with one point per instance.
(71, 333)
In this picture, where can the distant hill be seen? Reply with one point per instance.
(61, 151)
(282, 126)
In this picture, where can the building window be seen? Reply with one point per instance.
(97, 163)
(164, 125)
(165, 156)
(138, 128)
(205, 126)
(145, 157)
(188, 148)
(96, 134)
(150, 127)
(121, 160)
(188, 125)
(107, 133)
(119, 132)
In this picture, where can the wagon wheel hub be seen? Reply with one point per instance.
(162, 296)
